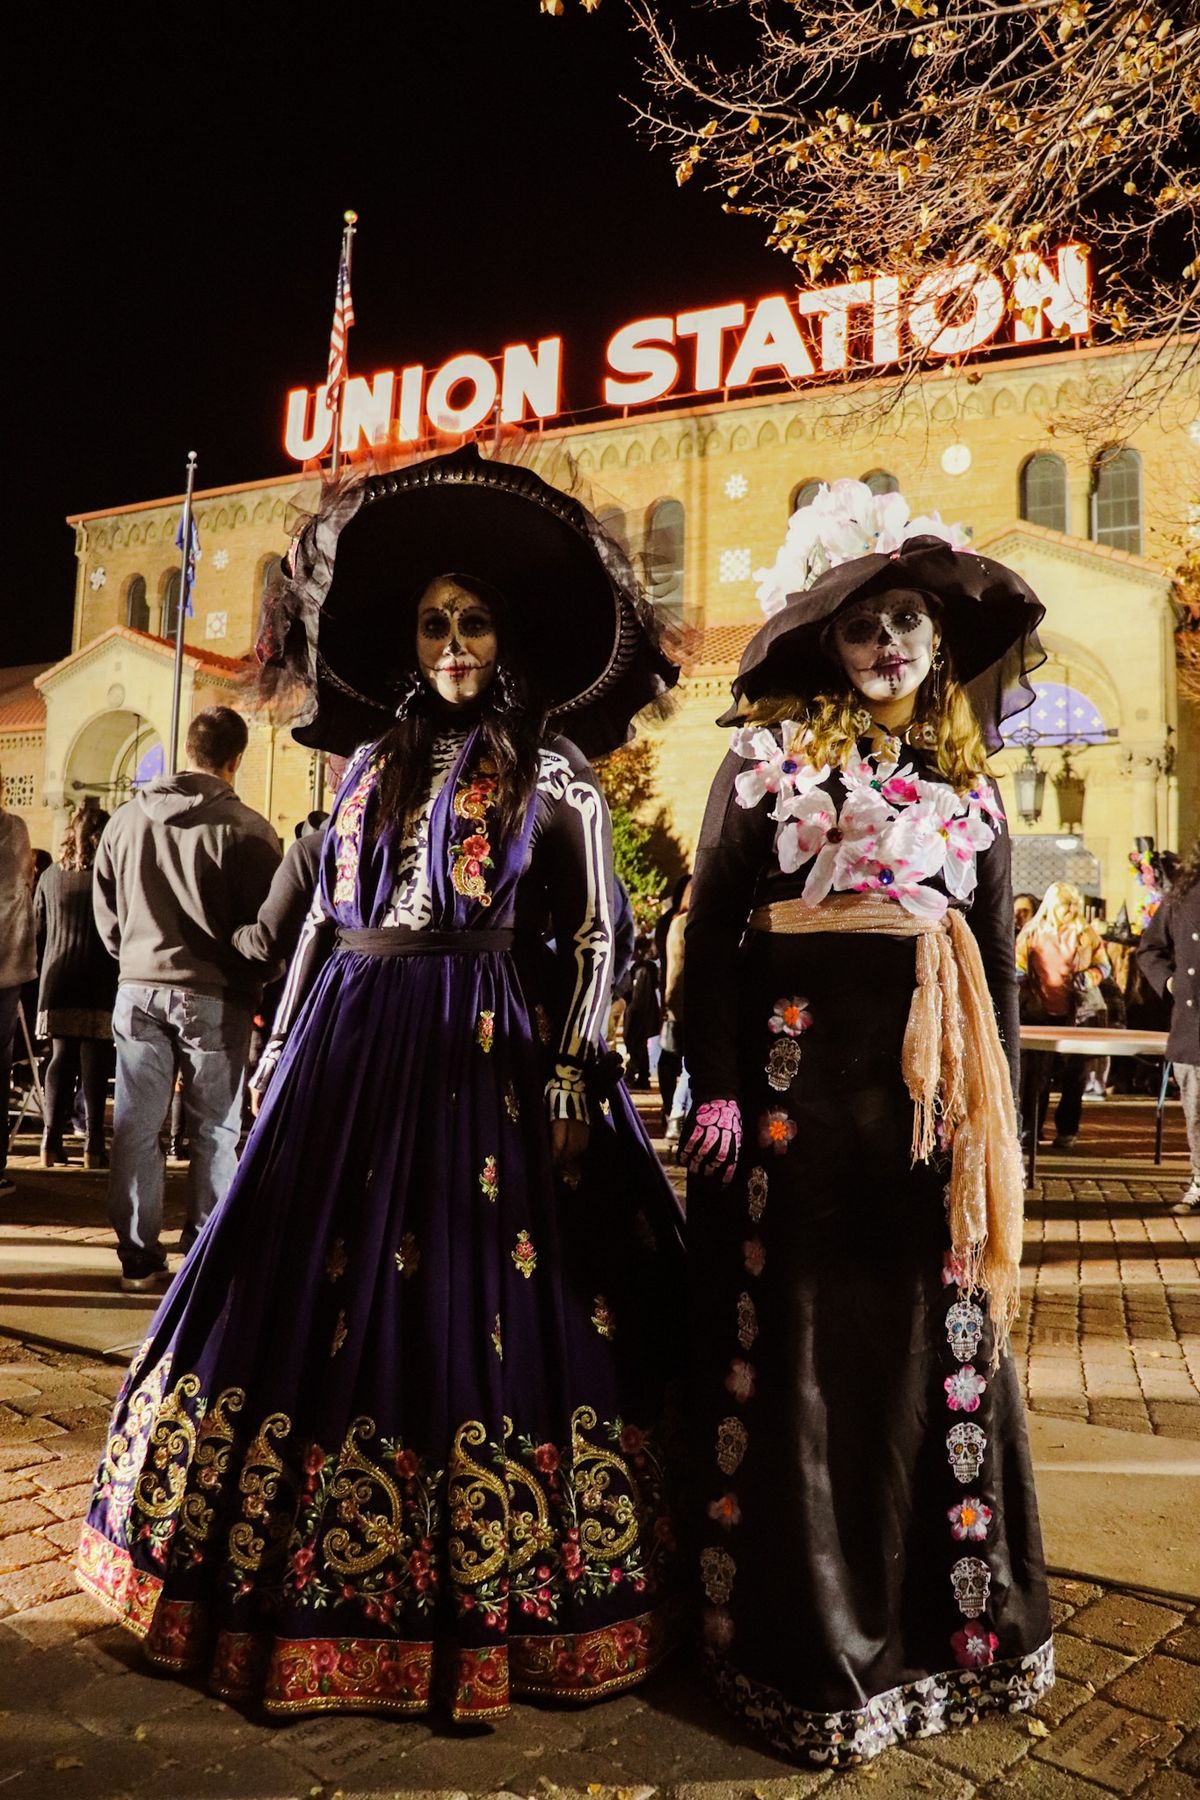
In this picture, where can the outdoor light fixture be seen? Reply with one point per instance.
(1030, 783)
(1070, 787)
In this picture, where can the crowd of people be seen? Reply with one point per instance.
(437, 1407)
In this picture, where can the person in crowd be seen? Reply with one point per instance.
(430, 1336)
(642, 1013)
(18, 958)
(869, 1553)
(272, 938)
(1061, 963)
(670, 1061)
(76, 993)
(176, 871)
(1168, 956)
(1024, 907)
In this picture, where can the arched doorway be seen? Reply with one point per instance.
(113, 756)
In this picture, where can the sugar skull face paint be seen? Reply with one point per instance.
(456, 641)
(886, 644)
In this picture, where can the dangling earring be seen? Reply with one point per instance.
(862, 722)
(938, 664)
(410, 692)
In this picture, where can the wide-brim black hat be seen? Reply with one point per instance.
(575, 622)
(986, 611)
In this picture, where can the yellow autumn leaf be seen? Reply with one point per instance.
(553, 7)
(1037, 1728)
(753, 126)
(903, 176)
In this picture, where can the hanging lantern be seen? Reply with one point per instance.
(1069, 786)
(1030, 782)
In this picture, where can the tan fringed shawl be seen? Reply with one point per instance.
(956, 1072)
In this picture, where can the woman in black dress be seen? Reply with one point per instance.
(869, 1545)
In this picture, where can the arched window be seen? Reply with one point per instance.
(1043, 491)
(137, 606)
(613, 521)
(664, 553)
(170, 604)
(1117, 499)
(881, 482)
(804, 495)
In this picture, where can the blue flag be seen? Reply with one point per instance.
(193, 558)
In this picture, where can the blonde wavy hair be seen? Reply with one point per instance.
(834, 723)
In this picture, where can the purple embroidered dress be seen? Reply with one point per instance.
(401, 1426)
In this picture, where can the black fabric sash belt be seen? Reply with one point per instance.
(398, 940)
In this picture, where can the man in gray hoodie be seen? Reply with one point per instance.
(178, 870)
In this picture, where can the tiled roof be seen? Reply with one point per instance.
(21, 706)
(226, 666)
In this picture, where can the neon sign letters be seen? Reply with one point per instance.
(717, 349)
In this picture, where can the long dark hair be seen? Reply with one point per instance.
(78, 849)
(511, 729)
(1188, 872)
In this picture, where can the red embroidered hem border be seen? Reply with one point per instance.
(297, 1675)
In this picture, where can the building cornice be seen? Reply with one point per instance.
(226, 671)
(1081, 552)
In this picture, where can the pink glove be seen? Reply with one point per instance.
(711, 1140)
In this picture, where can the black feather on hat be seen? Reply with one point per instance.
(987, 614)
(339, 624)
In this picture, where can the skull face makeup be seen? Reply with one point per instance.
(456, 641)
(886, 644)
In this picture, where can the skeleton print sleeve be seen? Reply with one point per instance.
(575, 853)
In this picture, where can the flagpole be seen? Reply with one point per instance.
(345, 258)
(181, 613)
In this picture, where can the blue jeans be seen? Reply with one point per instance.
(158, 1032)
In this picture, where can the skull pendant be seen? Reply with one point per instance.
(783, 1063)
(964, 1328)
(965, 1445)
(972, 1581)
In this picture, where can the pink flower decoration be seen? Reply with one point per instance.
(969, 1519)
(953, 1272)
(726, 1511)
(974, 1647)
(740, 1379)
(790, 1017)
(776, 1131)
(964, 1389)
(754, 1256)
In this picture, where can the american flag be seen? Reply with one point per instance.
(343, 319)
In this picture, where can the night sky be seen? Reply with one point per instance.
(174, 233)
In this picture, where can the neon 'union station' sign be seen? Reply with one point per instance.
(715, 350)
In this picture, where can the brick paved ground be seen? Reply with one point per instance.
(1110, 1329)
(82, 1719)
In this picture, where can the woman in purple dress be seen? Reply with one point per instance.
(402, 1427)
(869, 1551)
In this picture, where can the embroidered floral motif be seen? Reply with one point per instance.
(971, 1580)
(336, 1260)
(718, 1627)
(756, 1193)
(524, 1255)
(974, 1646)
(790, 1018)
(783, 1064)
(339, 1334)
(511, 1104)
(747, 1316)
(485, 1031)
(969, 1519)
(965, 1445)
(408, 1256)
(740, 1379)
(348, 830)
(754, 1256)
(717, 1570)
(473, 855)
(964, 1389)
(726, 1511)
(776, 1131)
(732, 1439)
(489, 1178)
(964, 1328)
(497, 1340)
(602, 1317)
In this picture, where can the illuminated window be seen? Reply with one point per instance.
(804, 495)
(1117, 499)
(137, 606)
(1043, 494)
(664, 553)
(880, 482)
(170, 604)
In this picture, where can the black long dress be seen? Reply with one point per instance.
(868, 1536)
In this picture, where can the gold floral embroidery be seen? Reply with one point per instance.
(747, 1317)
(511, 1104)
(408, 1256)
(756, 1193)
(347, 830)
(213, 1459)
(260, 1537)
(173, 1436)
(497, 1340)
(470, 858)
(367, 1537)
(485, 1032)
(489, 1178)
(336, 1261)
(717, 1570)
(524, 1255)
(602, 1317)
(339, 1334)
(732, 1440)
